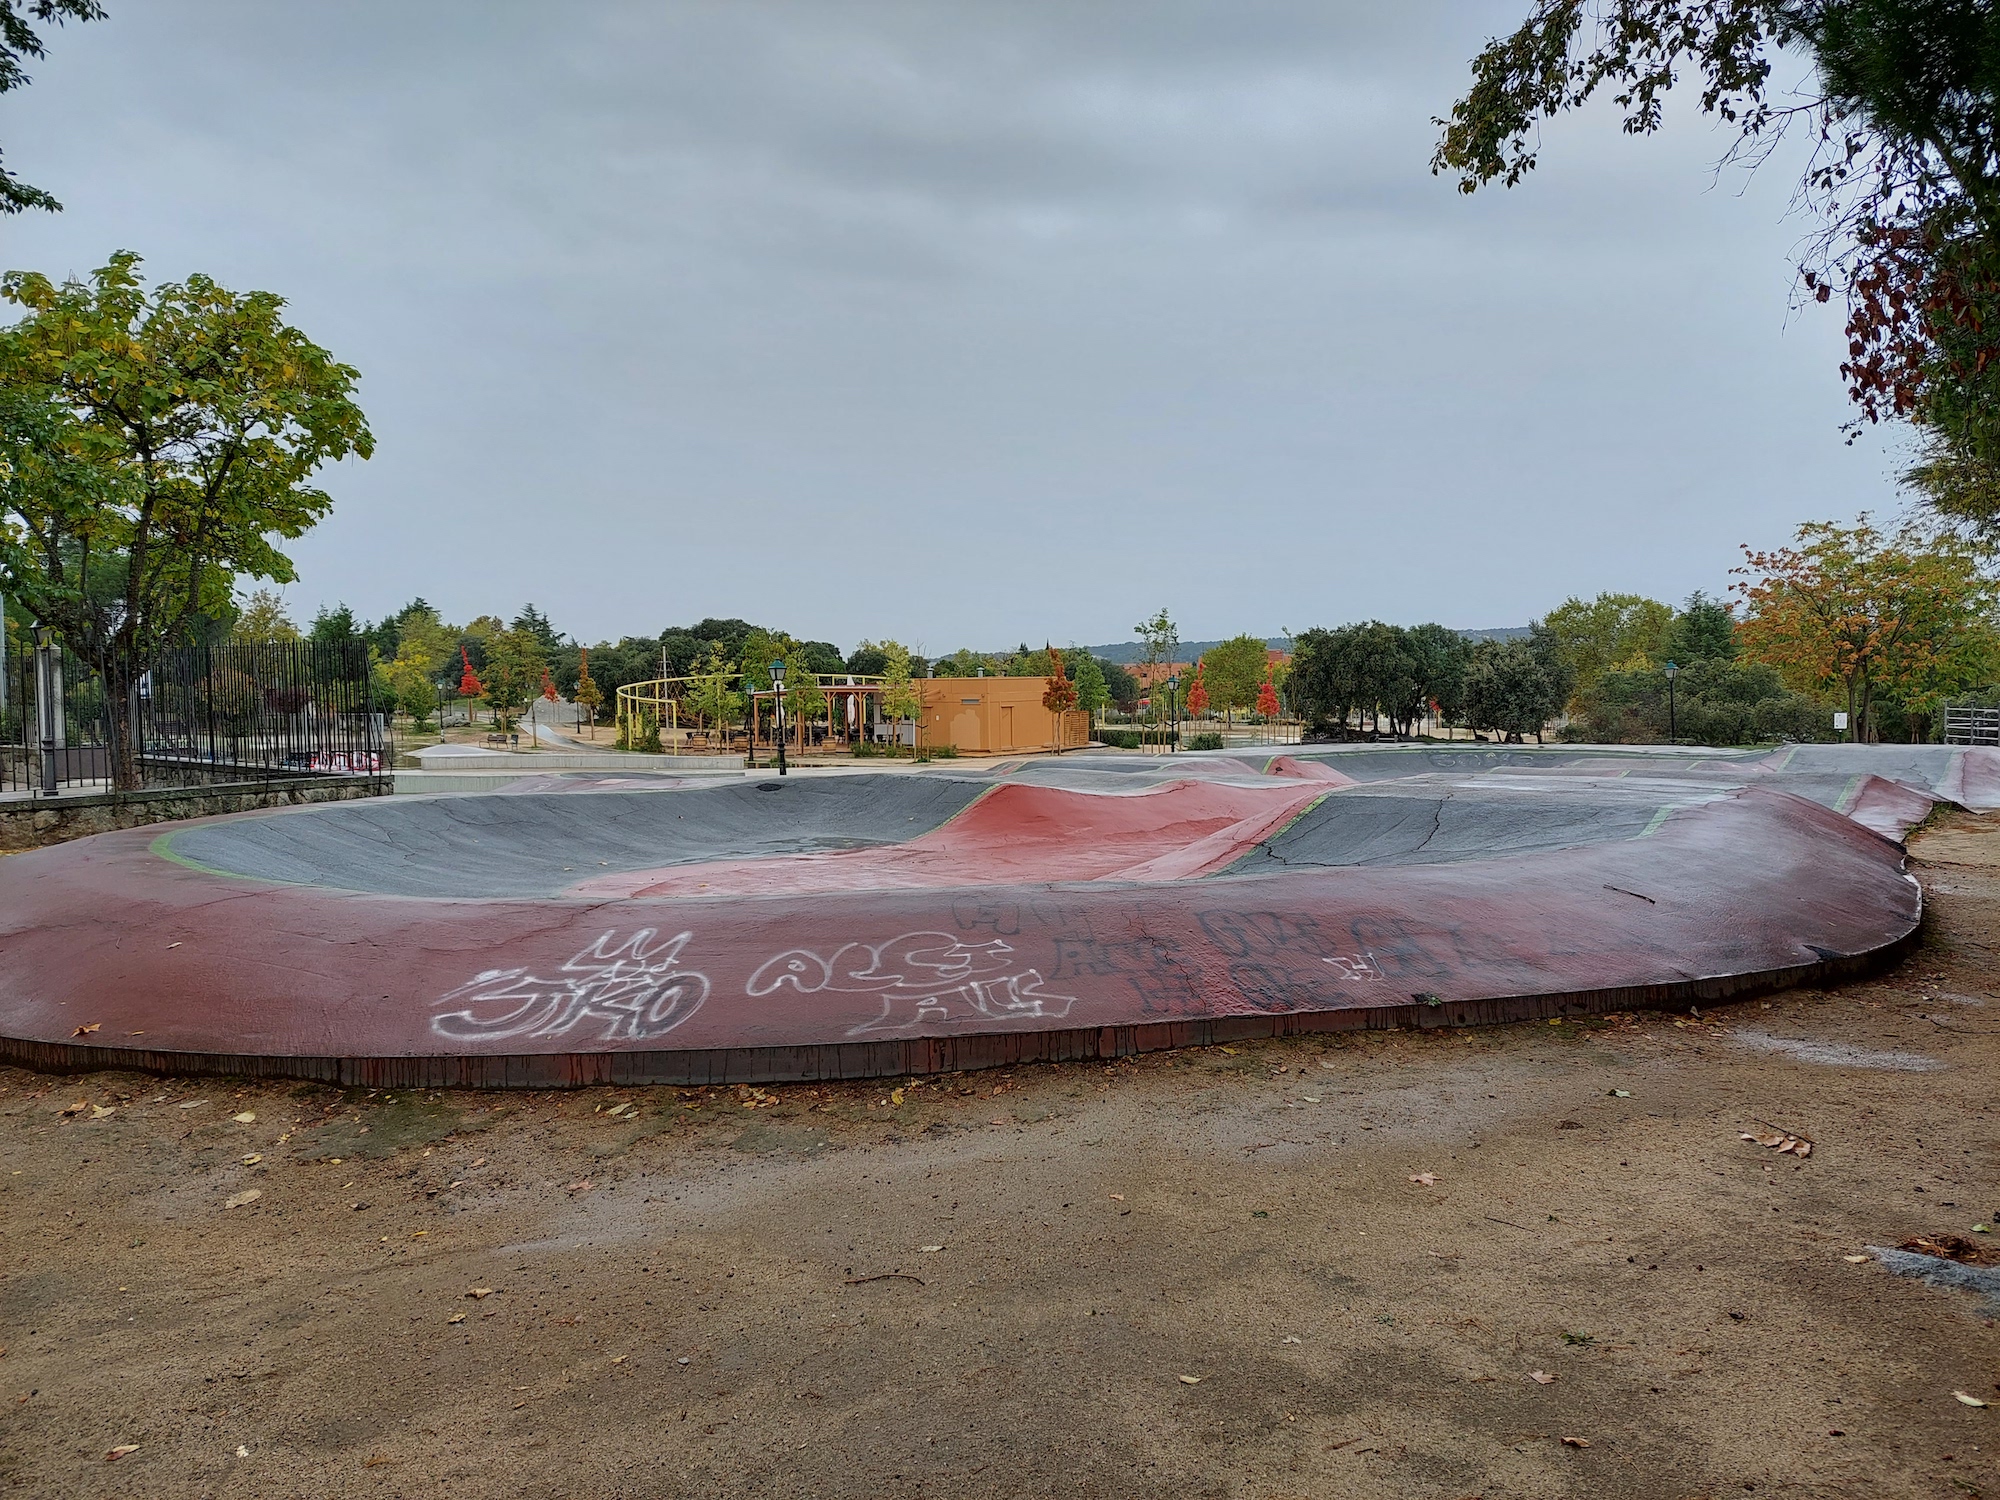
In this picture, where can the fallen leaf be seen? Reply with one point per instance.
(193, 1103)
(241, 1451)
(929, 1249)
(1117, 1197)
(238, 1200)
(77, 1108)
(1621, 1093)
(253, 1158)
(896, 1097)
(1425, 1179)
(479, 1161)
(99, 1111)
(120, 1451)
(1293, 1338)
(1231, 1051)
(1541, 1377)
(1576, 1442)
(479, 1292)
(1191, 1380)
(619, 1359)
(456, 1318)
(1854, 1260)
(248, 1117)
(1965, 1400)
(86, 1030)
(173, 945)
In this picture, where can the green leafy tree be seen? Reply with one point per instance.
(1233, 671)
(1704, 630)
(414, 687)
(331, 626)
(512, 674)
(1092, 694)
(1442, 655)
(1611, 633)
(902, 700)
(711, 694)
(1510, 689)
(19, 40)
(1159, 639)
(151, 448)
(263, 621)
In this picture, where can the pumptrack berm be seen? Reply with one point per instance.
(750, 929)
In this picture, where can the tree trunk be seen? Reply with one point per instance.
(121, 728)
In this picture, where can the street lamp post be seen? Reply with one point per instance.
(1673, 729)
(1173, 713)
(778, 687)
(48, 706)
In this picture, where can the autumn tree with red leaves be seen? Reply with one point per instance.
(1197, 698)
(1059, 697)
(1267, 695)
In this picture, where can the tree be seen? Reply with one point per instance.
(1509, 689)
(1197, 698)
(514, 667)
(330, 626)
(1092, 693)
(1234, 669)
(901, 698)
(415, 688)
(588, 696)
(1161, 638)
(469, 685)
(18, 40)
(1612, 633)
(1442, 655)
(536, 624)
(263, 620)
(710, 694)
(1267, 696)
(1059, 697)
(1704, 630)
(151, 448)
(1868, 614)
(1904, 177)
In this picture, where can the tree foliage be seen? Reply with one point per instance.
(1863, 613)
(1611, 633)
(1512, 689)
(153, 447)
(263, 621)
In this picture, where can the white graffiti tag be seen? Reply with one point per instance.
(1362, 966)
(919, 977)
(636, 988)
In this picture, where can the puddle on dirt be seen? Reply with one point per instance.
(1836, 1054)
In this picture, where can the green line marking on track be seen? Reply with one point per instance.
(1658, 818)
(163, 847)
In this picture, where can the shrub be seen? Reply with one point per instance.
(1132, 739)
(1204, 742)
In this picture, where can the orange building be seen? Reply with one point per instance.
(995, 716)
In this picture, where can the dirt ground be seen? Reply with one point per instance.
(1408, 1264)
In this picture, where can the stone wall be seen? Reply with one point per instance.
(31, 822)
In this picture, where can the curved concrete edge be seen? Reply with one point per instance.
(927, 1056)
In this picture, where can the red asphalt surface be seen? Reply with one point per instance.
(1016, 833)
(111, 955)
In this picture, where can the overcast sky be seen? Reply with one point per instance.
(964, 322)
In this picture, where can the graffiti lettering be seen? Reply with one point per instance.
(920, 978)
(636, 988)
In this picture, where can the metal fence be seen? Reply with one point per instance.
(205, 715)
(1972, 726)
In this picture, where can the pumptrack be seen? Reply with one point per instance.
(567, 932)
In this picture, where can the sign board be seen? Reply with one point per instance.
(1840, 720)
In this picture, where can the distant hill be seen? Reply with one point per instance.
(1127, 652)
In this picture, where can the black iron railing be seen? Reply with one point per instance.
(205, 715)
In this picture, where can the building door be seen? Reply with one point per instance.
(1006, 727)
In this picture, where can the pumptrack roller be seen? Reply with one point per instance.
(737, 930)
